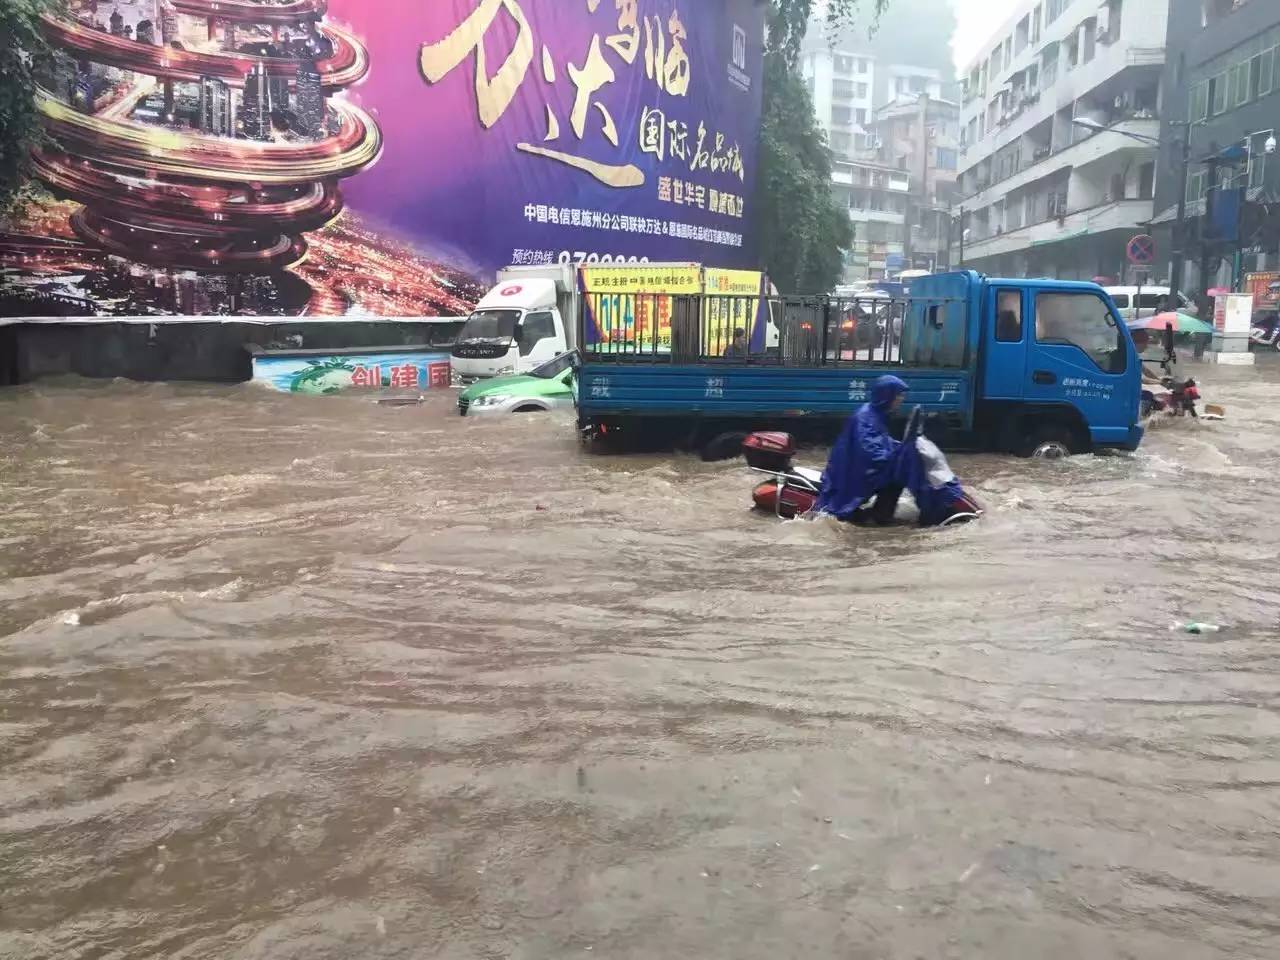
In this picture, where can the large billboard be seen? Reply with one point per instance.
(344, 158)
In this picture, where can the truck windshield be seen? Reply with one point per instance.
(491, 326)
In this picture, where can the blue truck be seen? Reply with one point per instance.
(1033, 367)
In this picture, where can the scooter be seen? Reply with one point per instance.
(792, 491)
(1266, 333)
(1176, 397)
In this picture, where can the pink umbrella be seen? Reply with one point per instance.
(1219, 291)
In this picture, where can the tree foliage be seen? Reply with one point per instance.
(804, 232)
(789, 19)
(22, 47)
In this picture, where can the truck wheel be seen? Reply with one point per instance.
(1048, 442)
(723, 446)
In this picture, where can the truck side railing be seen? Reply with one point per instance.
(713, 329)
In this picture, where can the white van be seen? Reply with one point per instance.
(1153, 301)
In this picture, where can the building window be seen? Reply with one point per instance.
(1146, 181)
(1199, 102)
(1218, 95)
(1241, 83)
(860, 91)
(1196, 186)
(1239, 77)
(862, 65)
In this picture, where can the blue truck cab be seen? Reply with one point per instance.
(1034, 367)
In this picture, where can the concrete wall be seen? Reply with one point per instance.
(183, 350)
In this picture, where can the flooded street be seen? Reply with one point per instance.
(309, 679)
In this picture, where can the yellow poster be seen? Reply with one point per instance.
(632, 305)
(733, 299)
(643, 278)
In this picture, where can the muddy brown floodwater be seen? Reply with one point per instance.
(300, 679)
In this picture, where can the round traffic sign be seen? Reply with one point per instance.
(1141, 250)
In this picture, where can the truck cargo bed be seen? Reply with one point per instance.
(620, 390)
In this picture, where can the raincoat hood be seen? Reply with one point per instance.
(884, 390)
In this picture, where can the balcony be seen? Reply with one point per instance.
(1059, 86)
(1082, 152)
(1123, 215)
(859, 215)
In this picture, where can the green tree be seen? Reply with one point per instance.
(22, 47)
(789, 19)
(804, 232)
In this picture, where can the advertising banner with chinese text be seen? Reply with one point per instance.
(1265, 288)
(733, 304)
(337, 373)
(383, 160)
(630, 308)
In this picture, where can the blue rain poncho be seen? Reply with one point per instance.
(865, 457)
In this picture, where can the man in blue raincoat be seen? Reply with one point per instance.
(864, 461)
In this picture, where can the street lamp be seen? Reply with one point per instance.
(1179, 226)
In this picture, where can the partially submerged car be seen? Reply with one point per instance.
(545, 387)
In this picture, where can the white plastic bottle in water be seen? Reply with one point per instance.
(1197, 628)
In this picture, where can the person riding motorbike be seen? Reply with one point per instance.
(863, 463)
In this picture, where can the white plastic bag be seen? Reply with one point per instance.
(936, 469)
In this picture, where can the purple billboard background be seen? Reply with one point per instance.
(470, 196)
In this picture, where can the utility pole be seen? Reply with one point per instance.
(1180, 224)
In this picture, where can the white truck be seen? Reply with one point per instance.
(532, 315)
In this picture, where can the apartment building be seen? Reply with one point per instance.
(1222, 76)
(842, 83)
(1060, 120)
(881, 175)
(921, 135)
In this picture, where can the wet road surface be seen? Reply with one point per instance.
(301, 678)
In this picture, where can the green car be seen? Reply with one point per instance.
(546, 387)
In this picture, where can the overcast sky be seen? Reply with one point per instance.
(978, 21)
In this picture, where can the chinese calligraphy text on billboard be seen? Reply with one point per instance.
(350, 159)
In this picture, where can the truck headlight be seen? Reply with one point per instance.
(491, 400)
